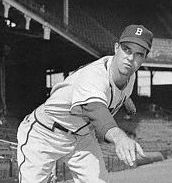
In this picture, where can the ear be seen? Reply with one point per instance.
(116, 47)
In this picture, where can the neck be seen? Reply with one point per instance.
(121, 84)
(119, 79)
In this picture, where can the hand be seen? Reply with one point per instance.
(127, 149)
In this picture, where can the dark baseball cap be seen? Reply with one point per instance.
(137, 34)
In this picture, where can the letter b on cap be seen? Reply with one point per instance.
(139, 31)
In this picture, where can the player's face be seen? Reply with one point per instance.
(129, 57)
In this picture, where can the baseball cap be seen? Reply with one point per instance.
(137, 34)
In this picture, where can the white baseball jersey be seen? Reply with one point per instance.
(92, 83)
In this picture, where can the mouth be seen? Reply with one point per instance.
(127, 65)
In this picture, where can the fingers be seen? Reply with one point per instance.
(121, 155)
(127, 155)
(127, 151)
(139, 150)
(129, 158)
(133, 154)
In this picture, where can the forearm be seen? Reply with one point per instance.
(100, 117)
(106, 127)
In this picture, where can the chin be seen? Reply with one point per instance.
(126, 72)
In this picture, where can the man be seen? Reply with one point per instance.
(63, 127)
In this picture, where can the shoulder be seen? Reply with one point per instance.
(98, 67)
(95, 72)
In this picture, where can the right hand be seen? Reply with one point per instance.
(126, 148)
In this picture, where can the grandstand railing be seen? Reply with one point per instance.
(8, 160)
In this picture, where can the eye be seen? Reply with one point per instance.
(126, 49)
(140, 55)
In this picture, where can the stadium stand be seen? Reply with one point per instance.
(80, 24)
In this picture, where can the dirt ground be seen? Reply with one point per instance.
(158, 172)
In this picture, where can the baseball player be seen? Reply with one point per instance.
(84, 104)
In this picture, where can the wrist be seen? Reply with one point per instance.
(115, 134)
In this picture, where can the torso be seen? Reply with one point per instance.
(89, 84)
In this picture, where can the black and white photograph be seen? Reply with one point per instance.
(85, 91)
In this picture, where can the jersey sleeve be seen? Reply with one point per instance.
(90, 87)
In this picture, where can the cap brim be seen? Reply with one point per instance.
(135, 40)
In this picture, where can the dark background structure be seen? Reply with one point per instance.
(87, 33)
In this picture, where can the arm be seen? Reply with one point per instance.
(100, 118)
(130, 106)
(107, 129)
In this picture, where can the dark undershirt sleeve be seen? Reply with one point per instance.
(100, 117)
(130, 106)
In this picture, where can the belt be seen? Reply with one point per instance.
(60, 127)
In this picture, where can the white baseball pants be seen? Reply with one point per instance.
(39, 148)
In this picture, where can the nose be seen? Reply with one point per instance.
(131, 57)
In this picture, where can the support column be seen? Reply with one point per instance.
(151, 82)
(28, 19)
(2, 80)
(6, 8)
(47, 31)
(66, 12)
(136, 84)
